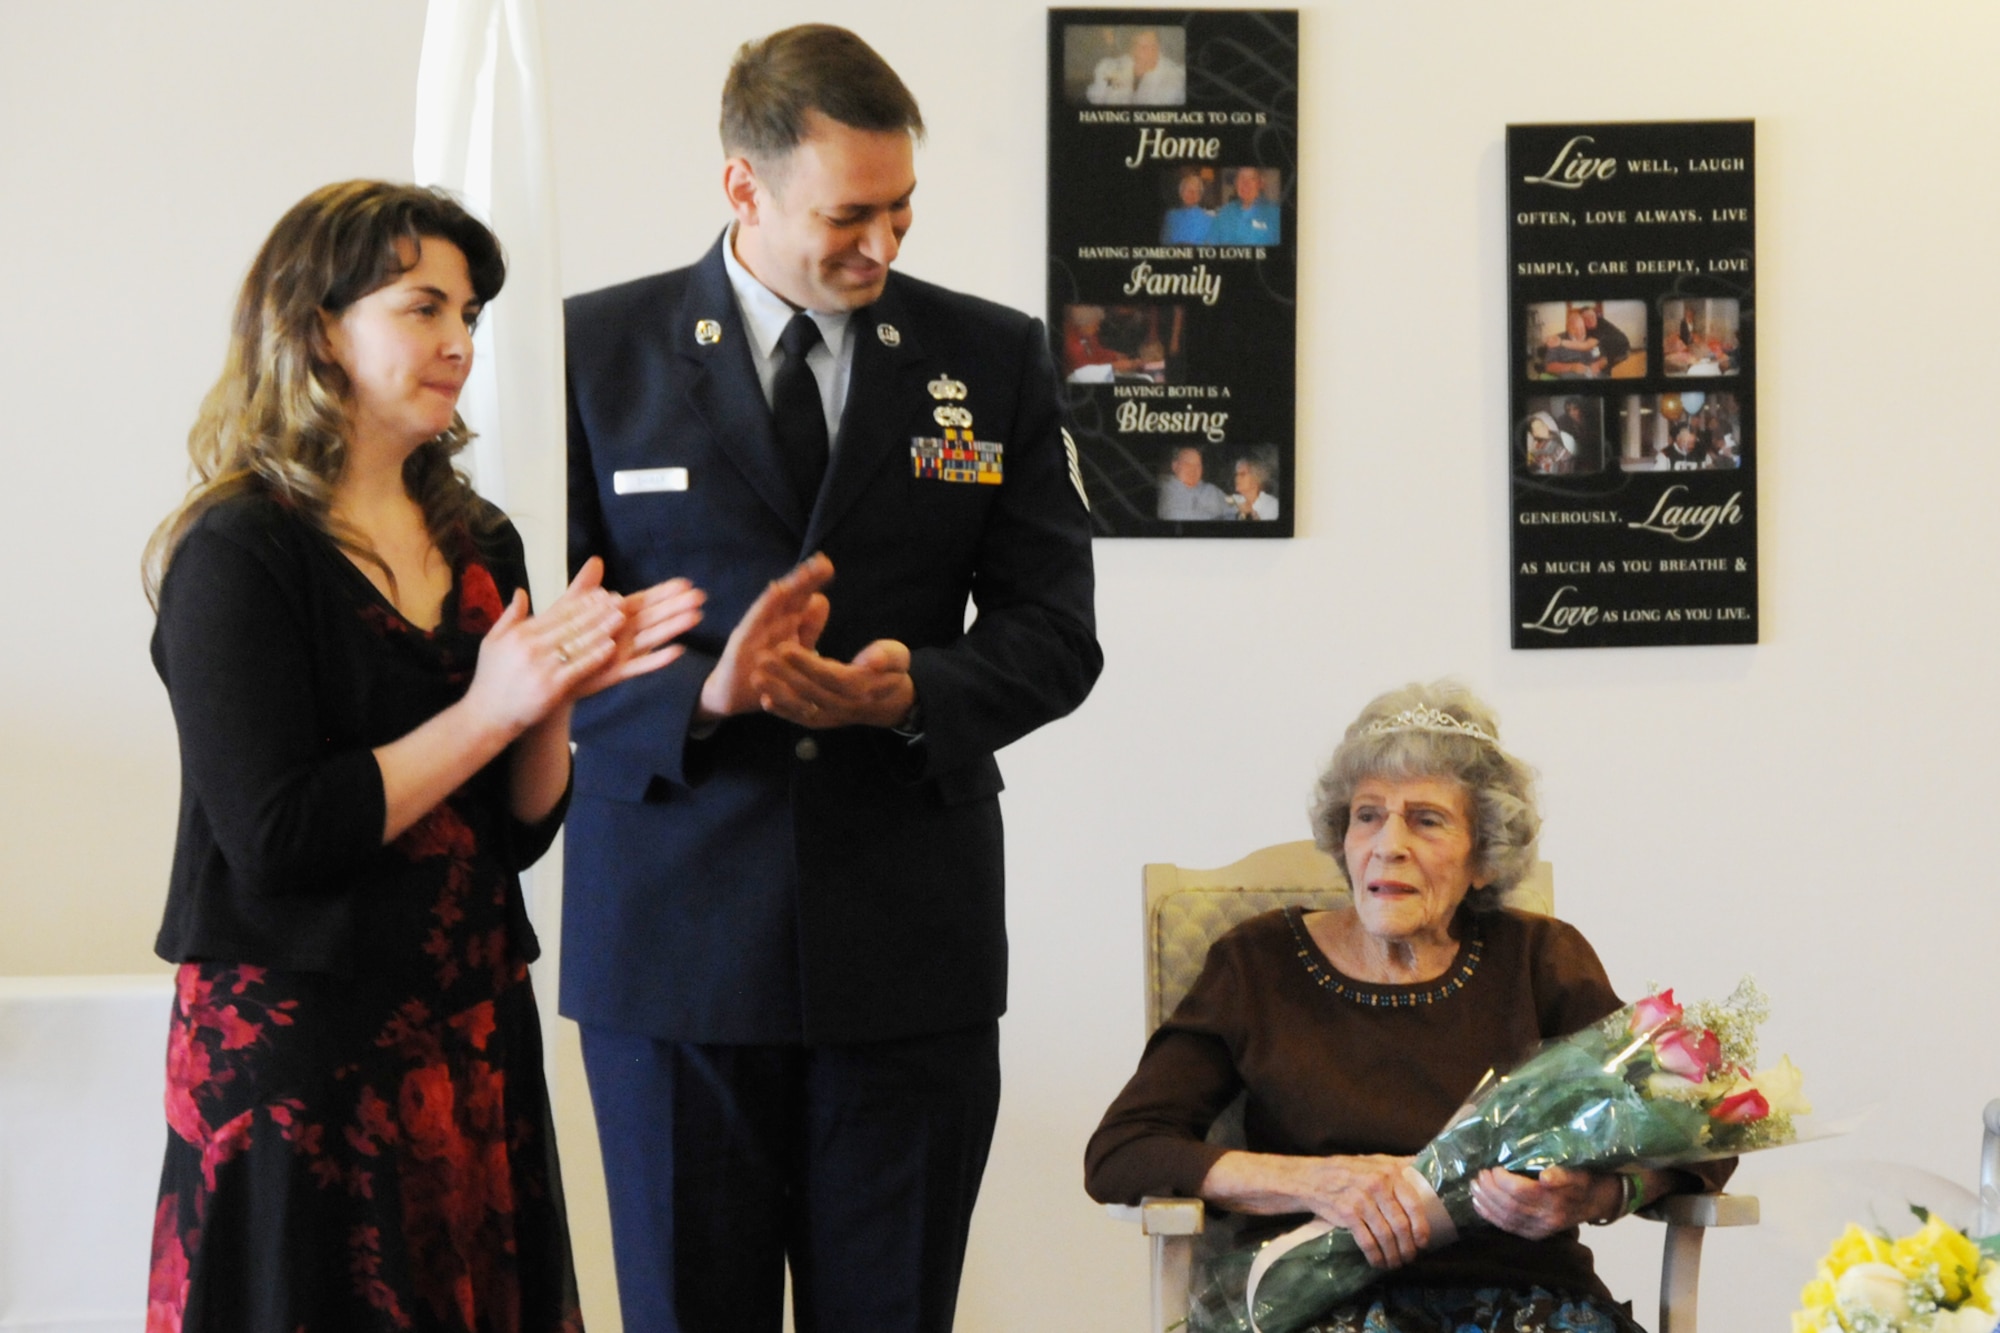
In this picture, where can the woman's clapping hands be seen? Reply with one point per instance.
(588, 640)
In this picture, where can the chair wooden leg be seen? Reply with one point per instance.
(1173, 1259)
(1680, 1270)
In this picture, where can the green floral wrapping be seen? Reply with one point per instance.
(1648, 1086)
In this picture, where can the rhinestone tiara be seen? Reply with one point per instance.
(1427, 718)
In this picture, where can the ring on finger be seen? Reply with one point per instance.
(563, 653)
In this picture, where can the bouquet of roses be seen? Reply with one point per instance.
(1652, 1085)
(1936, 1280)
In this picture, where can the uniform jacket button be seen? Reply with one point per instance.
(807, 748)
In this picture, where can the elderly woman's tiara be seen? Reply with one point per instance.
(1426, 718)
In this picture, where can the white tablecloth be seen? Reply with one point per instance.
(82, 1064)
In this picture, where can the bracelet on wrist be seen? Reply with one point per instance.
(1631, 1197)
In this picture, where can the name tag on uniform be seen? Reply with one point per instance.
(957, 457)
(640, 480)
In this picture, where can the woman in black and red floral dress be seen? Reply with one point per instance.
(374, 742)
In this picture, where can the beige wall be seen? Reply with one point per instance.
(1817, 809)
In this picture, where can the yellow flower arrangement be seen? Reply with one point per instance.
(1855, 1246)
(1936, 1280)
(1955, 1257)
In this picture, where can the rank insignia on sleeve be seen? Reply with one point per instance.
(1075, 469)
(957, 457)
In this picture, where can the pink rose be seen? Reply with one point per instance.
(1742, 1108)
(1655, 1010)
(1692, 1056)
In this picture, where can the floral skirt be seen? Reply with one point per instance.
(346, 1154)
(1480, 1310)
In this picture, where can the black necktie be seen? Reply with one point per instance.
(798, 411)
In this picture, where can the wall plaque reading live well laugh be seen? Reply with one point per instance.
(1173, 242)
(1633, 371)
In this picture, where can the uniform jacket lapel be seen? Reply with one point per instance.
(724, 391)
(887, 370)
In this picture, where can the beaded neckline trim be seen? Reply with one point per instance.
(1468, 963)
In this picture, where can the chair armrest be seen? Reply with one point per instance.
(1704, 1210)
(1162, 1216)
(1688, 1216)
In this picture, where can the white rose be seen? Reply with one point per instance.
(1877, 1286)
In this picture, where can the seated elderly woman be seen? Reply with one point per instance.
(1355, 1033)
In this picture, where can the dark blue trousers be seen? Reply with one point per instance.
(856, 1164)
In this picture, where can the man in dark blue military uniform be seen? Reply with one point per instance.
(784, 931)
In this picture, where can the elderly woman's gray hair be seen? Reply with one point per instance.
(1439, 730)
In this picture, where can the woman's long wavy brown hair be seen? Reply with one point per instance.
(276, 420)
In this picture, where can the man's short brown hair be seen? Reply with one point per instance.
(774, 82)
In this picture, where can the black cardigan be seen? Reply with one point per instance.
(280, 691)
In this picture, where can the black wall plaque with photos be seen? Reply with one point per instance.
(1632, 364)
(1173, 236)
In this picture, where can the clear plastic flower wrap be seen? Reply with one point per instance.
(1652, 1085)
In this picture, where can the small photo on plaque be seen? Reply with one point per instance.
(1124, 64)
(1190, 198)
(1563, 436)
(1185, 492)
(1680, 432)
(1701, 335)
(1123, 344)
(1249, 214)
(1586, 340)
(1255, 473)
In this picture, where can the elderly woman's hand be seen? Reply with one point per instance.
(1538, 1207)
(1374, 1197)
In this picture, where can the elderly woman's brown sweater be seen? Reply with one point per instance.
(1326, 1074)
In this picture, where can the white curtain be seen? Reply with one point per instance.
(482, 132)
